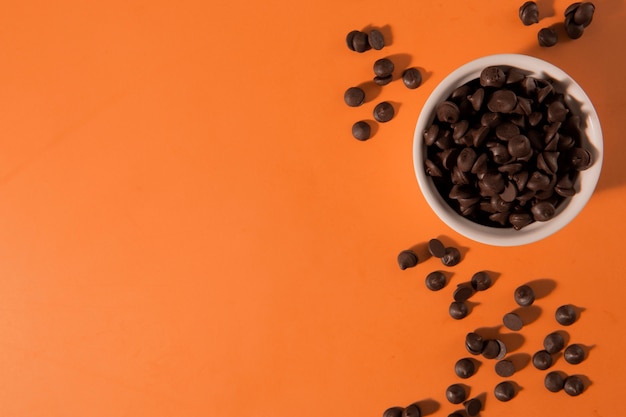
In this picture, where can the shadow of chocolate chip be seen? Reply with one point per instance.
(546, 8)
(517, 387)
(371, 89)
(425, 74)
(483, 399)
(542, 287)
(477, 364)
(421, 250)
(428, 406)
(489, 332)
(513, 341)
(528, 314)
(471, 305)
(519, 360)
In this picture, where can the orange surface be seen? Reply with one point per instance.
(189, 229)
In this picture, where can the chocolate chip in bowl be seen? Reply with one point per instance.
(507, 149)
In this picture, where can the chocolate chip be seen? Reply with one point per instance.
(350, 39)
(519, 220)
(448, 112)
(384, 80)
(504, 391)
(412, 410)
(580, 159)
(492, 76)
(529, 13)
(458, 310)
(407, 259)
(491, 349)
(553, 342)
(474, 343)
(502, 101)
(393, 412)
(519, 146)
(376, 39)
(412, 78)
(436, 248)
(354, 96)
(462, 293)
(547, 37)
(513, 322)
(477, 98)
(566, 315)
(473, 407)
(574, 354)
(383, 67)
(573, 385)
(361, 130)
(451, 257)
(383, 112)
(524, 295)
(572, 29)
(435, 281)
(481, 281)
(464, 368)
(360, 42)
(456, 394)
(543, 211)
(584, 14)
(554, 381)
(432, 169)
(542, 360)
(505, 368)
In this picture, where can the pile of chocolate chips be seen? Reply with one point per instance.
(505, 149)
(577, 17)
(360, 41)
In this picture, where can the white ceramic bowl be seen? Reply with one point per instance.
(584, 185)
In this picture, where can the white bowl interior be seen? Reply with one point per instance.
(585, 184)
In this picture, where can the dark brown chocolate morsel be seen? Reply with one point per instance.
(581, 159)
(510, 192)
(524, 295)
(584, 14)
(451, 257)
(491, 349)
(474, 343)
(529, 13)
(520, 220)
(573, 30)
(376, 39)
(502, 101)
(383, 112)
(354, 96)
(490, 119)
(547, 37)
(458, 310)
(448, 111)
(463, 293)
(481, 281)
(383, 67)
(407, 259)
(480, 165)
(566, 315)
(477, 99)
(505, 368)
(360, 42)
(411, 78)
(432, 169)
(557, 112)
(456, 394)
(350, 39)
(384, 80)
(412, 410)
(473, 407)
(393, 412)
(492, 76)
(464, 368)
(573, 385)
(459, 129)
(479, 135)
(506, 131)
(538, 181)
(504, 391)
(512, 321)
(543, 211)
(534, 118)
(574, 354)
(466, 159)
(500, 153)
(491, 184)
(361, 130)
(553, 342)
(554, 381)
(571, 8)
(435, 281)
(542, 360)
(431, 134)
(436, 248)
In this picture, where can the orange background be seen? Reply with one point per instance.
(189, 228)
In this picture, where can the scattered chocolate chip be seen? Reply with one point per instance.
(393, 412)
(542, 360)
(383, 67)
(456, 394)
(350, 39)
(360, 42)
(574, 354)
(505, 368)
(384, 80)
(547, 37)
(573, 385)
(566, 315)
(554, 381)
(436, 248)
(504, 391)
(448, 111)
(463, 292)
(435, 281)
(529, 13)
(474, 343)
(513, 322)
(492, 76)
(473, 407)
(361, 130)
(407, 259)
(412, 410)
(481, 281)
(412, 78)
(451, 257)
(491, 349)
(464, 368)
(383, 112)
(458, 310)
(524, 295)
(584, 14)
(553, 342)
(376, 39)
(354, 96)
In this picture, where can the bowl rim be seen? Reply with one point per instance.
(567, 211)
